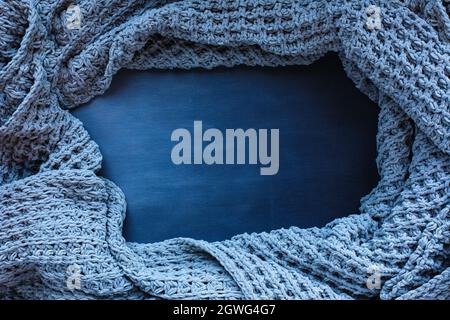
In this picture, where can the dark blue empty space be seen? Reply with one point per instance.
(327, 148)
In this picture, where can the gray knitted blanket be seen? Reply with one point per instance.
(61, 223)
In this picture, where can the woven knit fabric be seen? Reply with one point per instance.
(57, 213)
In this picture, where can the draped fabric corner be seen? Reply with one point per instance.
(57, 213)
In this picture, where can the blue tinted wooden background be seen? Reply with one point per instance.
(327, 148)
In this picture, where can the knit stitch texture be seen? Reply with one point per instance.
(56, 212)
